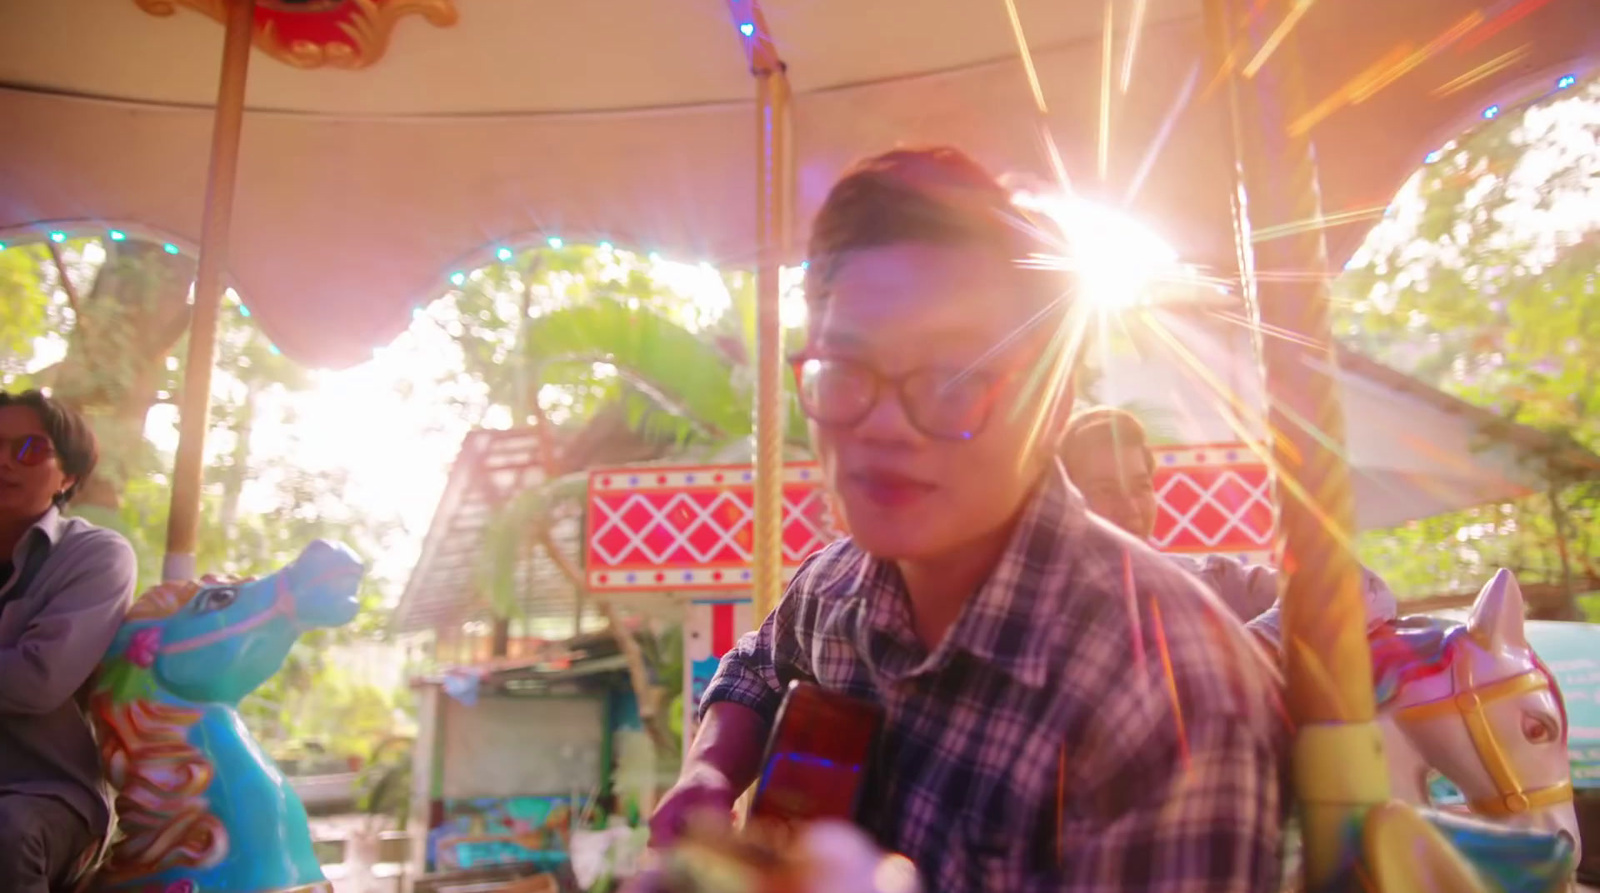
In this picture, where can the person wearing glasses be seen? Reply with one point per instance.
(1107, 455)
(1065, 709)
(65, 586)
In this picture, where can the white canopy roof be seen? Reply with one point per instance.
(359, 192)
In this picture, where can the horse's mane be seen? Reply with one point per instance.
(1409, 649)
(160, 778)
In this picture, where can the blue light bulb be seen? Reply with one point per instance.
(1565, 82)
(1433, 156)
(117, 235)
(555, 241)
(243, 310)
(1490, 112)
(748, 29)
(170, 248)
(458, 279)
(58, 236)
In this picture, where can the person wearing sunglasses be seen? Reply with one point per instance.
(1107, 455)
(1065, 709)
(65, 585)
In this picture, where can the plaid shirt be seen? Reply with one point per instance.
(1095, 720)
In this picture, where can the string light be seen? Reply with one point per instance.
(117, 235)
(243, 310)
(2, 246)
(170, 248)
(1433, 156)
(748, 29)
(504, 254)
(555, 241)
(606, 246)
(58, 237)
(1490, 112)
(1566, 81)
(458, 279)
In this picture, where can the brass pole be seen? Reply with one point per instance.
(183, 517)
(1339, 767)
(772, 171)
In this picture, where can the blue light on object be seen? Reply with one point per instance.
(748, 29)
(1491, 111)
(117, 235)
(1566, 81)
(58, 236)
(170, 248)
(243, 310)
(504, 254)
(555, 242)
(458, 278)
(1433, 156)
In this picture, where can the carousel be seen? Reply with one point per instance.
(337, 162)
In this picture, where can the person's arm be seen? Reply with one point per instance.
(742, 700)
(1375, 594)
(1191, 810)
(62, 645)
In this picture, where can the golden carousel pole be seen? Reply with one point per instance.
(773, 173)
(194, 408)
(1339, 768)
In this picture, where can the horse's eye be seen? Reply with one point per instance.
(1538, 729)
(217, 599)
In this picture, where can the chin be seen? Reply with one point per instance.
(893, 542)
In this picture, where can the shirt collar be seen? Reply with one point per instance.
(1012, 621)
(48, 526)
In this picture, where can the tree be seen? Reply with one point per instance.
(102, 324)
(1481, 281)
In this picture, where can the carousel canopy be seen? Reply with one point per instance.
(488, 122)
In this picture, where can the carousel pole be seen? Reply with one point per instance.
(183, 518)
(772, 223)
(1338, 760)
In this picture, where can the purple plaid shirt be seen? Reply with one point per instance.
(1095, 720)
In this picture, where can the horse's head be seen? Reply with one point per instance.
(231, 636)
(1492, 721)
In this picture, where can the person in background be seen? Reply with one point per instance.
(1108, 457)
(1065, 709)
(65, 586)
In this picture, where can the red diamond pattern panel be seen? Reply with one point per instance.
(690, 528)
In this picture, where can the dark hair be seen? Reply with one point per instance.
(70, 435)
(1104, 428)
(937, 196)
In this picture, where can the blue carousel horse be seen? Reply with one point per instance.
(200, 807)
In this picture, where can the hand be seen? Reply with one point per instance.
(702, 795)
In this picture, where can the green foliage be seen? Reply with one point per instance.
(1481, 280)
(119, 336)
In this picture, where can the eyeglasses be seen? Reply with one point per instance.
(28, 451)
(942, 403)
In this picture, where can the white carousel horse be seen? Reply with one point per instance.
(1474, 702)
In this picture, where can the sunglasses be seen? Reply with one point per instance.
(27, 451)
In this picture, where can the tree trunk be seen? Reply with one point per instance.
(126, 326)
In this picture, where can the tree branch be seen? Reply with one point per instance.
(67, 286)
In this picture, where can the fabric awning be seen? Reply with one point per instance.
(632, 121)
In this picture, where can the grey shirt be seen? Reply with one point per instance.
(1251, 592)
(52, 636)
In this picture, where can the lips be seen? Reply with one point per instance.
(889, 489)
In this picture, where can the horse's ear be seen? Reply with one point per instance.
(1496, 618)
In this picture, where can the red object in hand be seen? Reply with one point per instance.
(817, 758)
